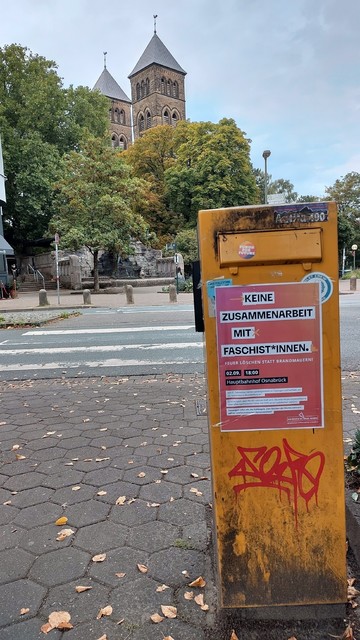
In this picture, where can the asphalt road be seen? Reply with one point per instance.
(136, 341)
(141, 341)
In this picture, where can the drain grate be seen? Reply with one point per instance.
(201, 408)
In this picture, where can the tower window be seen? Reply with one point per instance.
(142, 89)
(110, 115)
(174, 119)
(141, 123)
(138, 95)
(166, 117)
(169, 87)
(122, 142)
(148, 120)
(147, 86)
(114, 140)
(122, 116)
(163, 85)
(175, 90)
(116, 115)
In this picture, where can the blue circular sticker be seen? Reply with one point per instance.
(326, 285)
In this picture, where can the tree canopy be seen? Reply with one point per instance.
(39, 121)
(95, 201)
(346, 192)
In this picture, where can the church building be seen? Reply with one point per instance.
(157, 94)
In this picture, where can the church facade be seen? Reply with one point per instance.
(157, 95)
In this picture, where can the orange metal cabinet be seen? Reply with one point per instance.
(270, 296)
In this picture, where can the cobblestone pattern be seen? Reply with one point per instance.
(85, 444)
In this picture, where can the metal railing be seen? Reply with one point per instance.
(36, 273)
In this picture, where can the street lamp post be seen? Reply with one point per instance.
(265, 155)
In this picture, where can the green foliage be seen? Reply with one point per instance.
(187, 244)
(346, 192)
(96, 200)
(353, 459)
(39, 121)
(212, 169)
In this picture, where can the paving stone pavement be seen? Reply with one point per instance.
(73, 448)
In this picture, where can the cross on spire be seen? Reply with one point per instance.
(105, 54)
(155, 16)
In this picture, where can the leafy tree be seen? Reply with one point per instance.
(346, 192)
(95, 202)
(150, 156)
(187, 244)
(285, 187)
(39, 121)
(212, 169)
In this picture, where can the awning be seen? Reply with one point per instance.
(4, 246)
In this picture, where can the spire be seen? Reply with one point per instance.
(105, 54)
(108, 86)
(155, 16)
(156, 53)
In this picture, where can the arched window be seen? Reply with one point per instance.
(175, 90)
(166, 117)
(169, 87)
(110, 115)
(148, 119)
(116, 115)
(122, 116)
(122, 143)
(174, 118)
(147, 86)
(142, 89)
(141, 123)
(138, 95)
(114, 140)
(163, 85)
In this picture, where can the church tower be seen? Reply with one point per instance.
(157, 88)
(119, 109)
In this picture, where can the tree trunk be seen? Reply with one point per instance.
(96, 270)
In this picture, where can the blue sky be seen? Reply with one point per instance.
(286, 70)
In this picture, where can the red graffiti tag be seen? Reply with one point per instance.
(287, 470)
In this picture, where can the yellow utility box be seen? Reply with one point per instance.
(270, 296)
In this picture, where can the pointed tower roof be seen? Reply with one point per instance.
(156, 53)
(108, 86)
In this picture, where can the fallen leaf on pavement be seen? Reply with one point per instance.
(234, 636)
(76, 488)
(121, 621)
(162, 587)
(15, 447)
(142, 568)
(7, 502)
(99, 558)
(199, 582)
(18, 456)
(156, 618)
(188, 595)
(141, 474)
(57, 620)
(101, 493)
(23, 611)
(196, 491)
(121, 500)
(101, 459)
(200, 601)
(104, 637)
(292, 638)
(80, 589)
(105, 611)
(64, 533)
(60, 521)
(169, 611)
(194, 475)
(121, 574)
(153, 504)
(168, 638)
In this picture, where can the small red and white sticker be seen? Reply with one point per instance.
(247, 250)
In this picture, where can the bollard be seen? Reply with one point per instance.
(129, 294)
(87, 296)
(353, 284)
(43, 301)
(172, 293)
